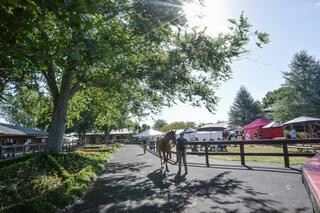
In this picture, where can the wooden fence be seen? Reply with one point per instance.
(12, 150)
(284, 143)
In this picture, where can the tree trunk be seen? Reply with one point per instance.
(106, 137)
(82, 137)
(58, 122)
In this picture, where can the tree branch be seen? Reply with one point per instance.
(74, 89)
(52, 83)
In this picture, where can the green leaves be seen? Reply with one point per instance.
(27, 108)
(299, 96)
(244, 108)
(140, 53)
(178, 125)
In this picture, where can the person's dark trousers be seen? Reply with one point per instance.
(182, 156)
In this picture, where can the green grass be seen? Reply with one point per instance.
(264, 149)
(94, 145)
(47, 183)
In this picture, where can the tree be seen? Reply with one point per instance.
(81, 114)
(144, 127)
(27, 108)
(178, 125)
(303, 80)
(121, 46)
(159, 124)
(244, 108)
(95, 109)
(299, 95)
(269, 99)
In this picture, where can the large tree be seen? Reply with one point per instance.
(244, 108)
(300, 94)
(68, 46)
(303, 80)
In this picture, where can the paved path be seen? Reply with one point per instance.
(134, 183)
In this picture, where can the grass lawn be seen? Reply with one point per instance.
(255, 149)
(47, 183)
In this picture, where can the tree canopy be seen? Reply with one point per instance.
(300, 94)
(159, 124)
(63, 47)
(178, 125)
(244, 108)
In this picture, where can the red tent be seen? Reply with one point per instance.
(255, 126)
(272, 130)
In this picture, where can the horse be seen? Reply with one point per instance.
(165, 147)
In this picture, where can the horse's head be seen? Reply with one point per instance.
(171, 135)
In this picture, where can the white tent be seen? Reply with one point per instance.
(148, 133)
(185, 131)
(213, 127)
(273, 124)
(309, 124)
(189, 130)
(302, 120)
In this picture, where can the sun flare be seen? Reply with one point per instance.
(210, 14)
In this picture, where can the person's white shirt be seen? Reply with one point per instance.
(247, 136)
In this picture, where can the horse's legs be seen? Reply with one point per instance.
(160, 159)
(166, 161)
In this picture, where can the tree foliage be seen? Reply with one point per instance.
(244, 109)
(97, 110)
(26, 107)
(300, 94)
(144, 127)
(178, 125)
(128, 45)
(159, 124)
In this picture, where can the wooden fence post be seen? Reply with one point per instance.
(285, 154)
(207, 155)
(14, 152)
(243, 162)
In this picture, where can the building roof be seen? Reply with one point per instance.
(273, 124)
(15, 130)
(260, 122)
(302, 119)
(148, 133)
(124, 131)
(213, 127)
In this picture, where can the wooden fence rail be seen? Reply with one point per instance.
(284, 143)
(12, 150)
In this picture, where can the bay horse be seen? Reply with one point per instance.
(165, 147)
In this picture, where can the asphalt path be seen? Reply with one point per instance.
(133, 182)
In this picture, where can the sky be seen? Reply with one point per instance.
(293, 26)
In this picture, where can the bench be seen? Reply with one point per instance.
(305, 148)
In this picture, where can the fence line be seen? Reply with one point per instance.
(285, 143)
(12, 150)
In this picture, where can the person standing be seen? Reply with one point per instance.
(181, 152)
(260, 135)
(293, 134)
(248, 136)
(144, 144)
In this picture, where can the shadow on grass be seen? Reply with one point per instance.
(121, 190)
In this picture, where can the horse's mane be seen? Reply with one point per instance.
(165, 137)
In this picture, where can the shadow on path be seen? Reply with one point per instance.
(122, 190)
